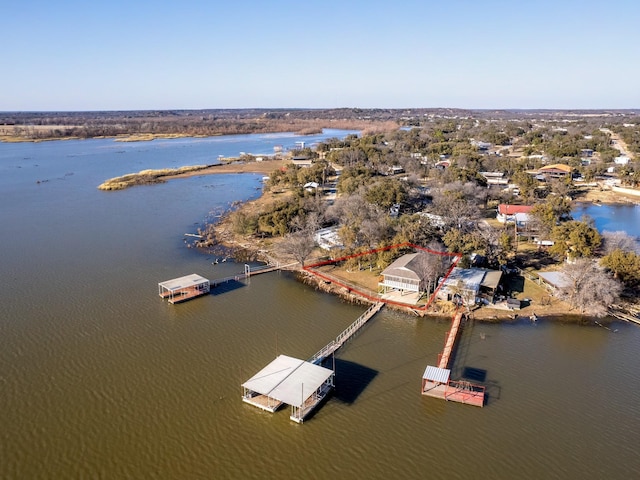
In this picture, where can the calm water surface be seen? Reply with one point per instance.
(102, 379)
(612, 218)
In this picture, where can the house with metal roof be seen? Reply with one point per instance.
(557, 170)
(466, 284)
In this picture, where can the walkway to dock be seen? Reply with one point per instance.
(451, 340)
(436, 381)
(250, 272)
(349, 332)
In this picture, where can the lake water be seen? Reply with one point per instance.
(612, 218)
(100, 378)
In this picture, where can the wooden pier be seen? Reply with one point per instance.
(346, 334)
(249, 272)
(436, 381)
(450, 342)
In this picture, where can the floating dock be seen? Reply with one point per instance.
(291, 381)
(183, 288)
(303, 385)
(436, 381)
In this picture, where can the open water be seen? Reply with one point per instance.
(100, 378)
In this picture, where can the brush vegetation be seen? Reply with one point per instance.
(147, 177)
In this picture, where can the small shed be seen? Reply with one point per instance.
(554, 280)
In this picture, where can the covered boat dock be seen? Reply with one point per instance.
(300, 384)
(436, 381)
(183, 288)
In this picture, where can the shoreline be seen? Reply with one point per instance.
(542, 304)
(221, 235)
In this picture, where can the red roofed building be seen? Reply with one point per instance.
(509, 213)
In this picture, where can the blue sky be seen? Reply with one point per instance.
(127, 55)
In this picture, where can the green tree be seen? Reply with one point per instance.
(386, 192)
(548, 214)
(526, 183)
(625, 266)
(575, 239)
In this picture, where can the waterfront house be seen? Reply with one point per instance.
(404, 274)
(557, 170)
(553, 281)
(302, 161)
(513, 213)
(465, 285)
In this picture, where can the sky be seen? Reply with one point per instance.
(75, 55)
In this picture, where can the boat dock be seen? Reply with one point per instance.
(303, 385)
(183, 288)
(436, 381)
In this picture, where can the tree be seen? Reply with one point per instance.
(575, 239)
(590, 289)
(386, 192)
(431, 266)
(298, 244)
(619, 241)
(526, 183)
(625, 266)
(546, 215)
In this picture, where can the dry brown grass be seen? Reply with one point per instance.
(146, 177)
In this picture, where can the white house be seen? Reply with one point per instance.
(328, 238)
(508, 213)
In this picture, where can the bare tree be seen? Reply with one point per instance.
(619, 241)
(590, 289)
(299, 245)
(431, 266)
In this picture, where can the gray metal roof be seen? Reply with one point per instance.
(401, 267)
(471, 278)
(491, 279)
(184, 282)
(435, 374)
(288, 380)
(557, 279)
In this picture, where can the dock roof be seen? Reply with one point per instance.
(288, 380)
(184, 282)
(436, 374)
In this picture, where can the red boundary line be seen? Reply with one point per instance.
(310, 269)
